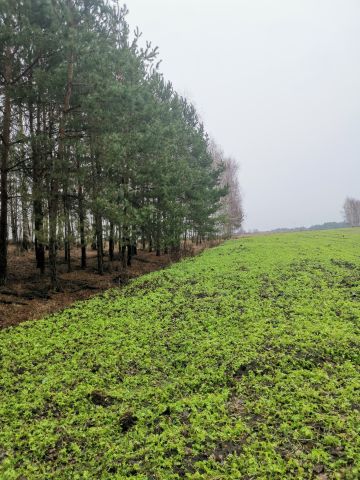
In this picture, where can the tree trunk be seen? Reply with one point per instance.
(4, 169)
(58, 166)
(37, 179)
(67, 245)
(99, 241)
(129, 253)
(143, 243)
(157, 232)
(111, 242)
(25, 215)
(157, 243)
(39, 246)
(123, 255)
(82, 227)
(12, 187)
(53, 208)
(150, 244)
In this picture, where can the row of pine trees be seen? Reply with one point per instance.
(95, 145)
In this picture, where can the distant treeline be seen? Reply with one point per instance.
(323, 226)
(96, 147)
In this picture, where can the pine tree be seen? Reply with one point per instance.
(95, 142)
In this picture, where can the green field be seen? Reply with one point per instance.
(242, 363)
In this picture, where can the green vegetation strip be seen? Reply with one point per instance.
(242, 363)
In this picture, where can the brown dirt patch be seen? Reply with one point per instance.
(28, 296)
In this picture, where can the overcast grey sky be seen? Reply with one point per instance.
(277, 83)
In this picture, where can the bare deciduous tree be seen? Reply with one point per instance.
(231, 204)
(352, 211)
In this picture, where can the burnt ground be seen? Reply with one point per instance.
(28, 296)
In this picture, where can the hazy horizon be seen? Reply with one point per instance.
(276, 84)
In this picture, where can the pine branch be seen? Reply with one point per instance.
(27, 69)
(14, 167)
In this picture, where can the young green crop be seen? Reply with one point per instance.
(242, 363)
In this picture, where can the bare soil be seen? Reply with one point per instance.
(28, 296)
